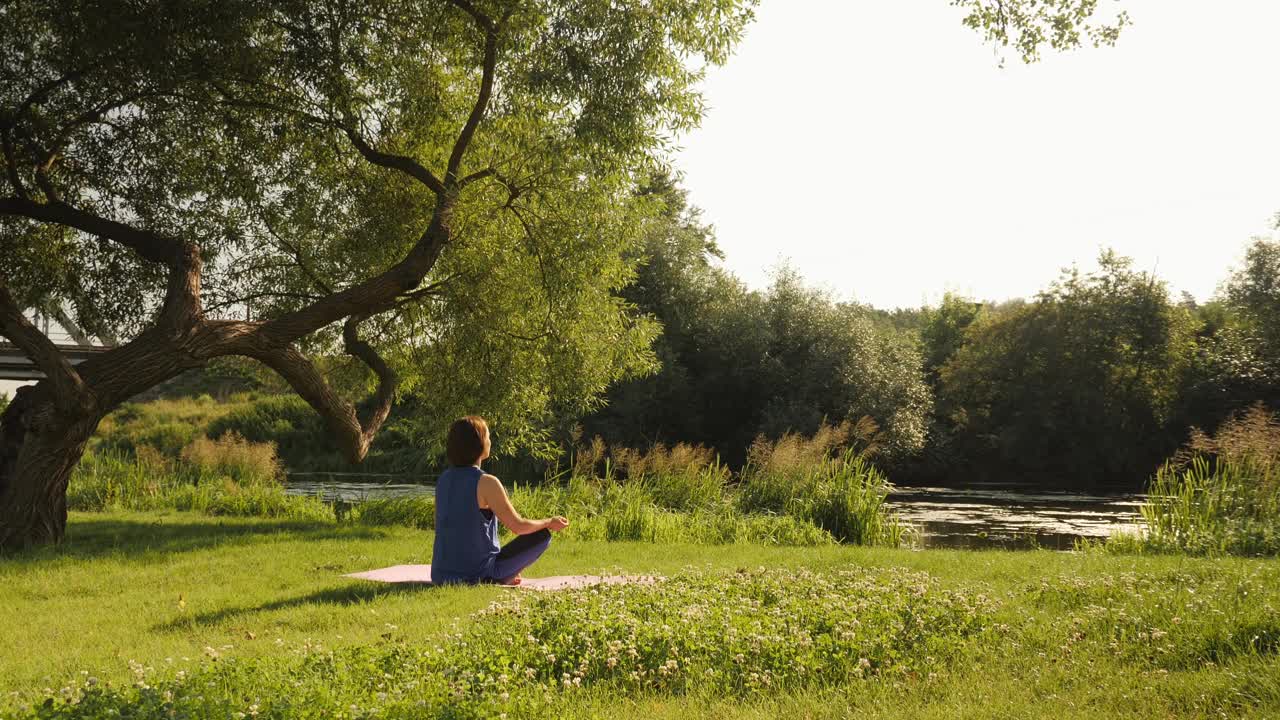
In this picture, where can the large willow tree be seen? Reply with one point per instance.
(441, 190)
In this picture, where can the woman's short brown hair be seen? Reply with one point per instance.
(465, 444)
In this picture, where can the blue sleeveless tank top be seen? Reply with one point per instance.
(466, 543)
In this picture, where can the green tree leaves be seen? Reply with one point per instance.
(1077, 385)
(1031, 25)
(485, 150)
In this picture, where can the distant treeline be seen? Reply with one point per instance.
(1094, 381)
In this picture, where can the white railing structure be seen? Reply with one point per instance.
(15, 365)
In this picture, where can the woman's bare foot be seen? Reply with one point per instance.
(513, 580)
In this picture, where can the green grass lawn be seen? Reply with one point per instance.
(1068, 635)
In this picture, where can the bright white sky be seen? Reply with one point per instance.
(879, 147)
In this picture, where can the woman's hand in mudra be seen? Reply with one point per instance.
(557, 523)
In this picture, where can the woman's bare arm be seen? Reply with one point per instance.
(493, 496)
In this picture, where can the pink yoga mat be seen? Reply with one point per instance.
(421, 575)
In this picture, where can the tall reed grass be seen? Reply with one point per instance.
(798, 490)
(621, 512)
(415, 512)
(1220, 495)
(826, 479)
(228, 476)
(681, 477)
(617, 513)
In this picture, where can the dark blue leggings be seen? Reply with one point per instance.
(520, 554)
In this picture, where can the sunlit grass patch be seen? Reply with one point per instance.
(737, 633)
(295, 638)
(1179, 621)
(712, 634)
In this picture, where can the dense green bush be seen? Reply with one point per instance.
(738, 362)
(285, 420)
(168, 437)
(167, 425)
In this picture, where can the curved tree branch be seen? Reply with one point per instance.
(375, 411)
(353, 429)
(68, 387)
(257, 296)
(391, 161)
(381, 291)
(473, 177)
(490, 30)
(182, 295)
(404, 164)
(11, 164)
(151, 246)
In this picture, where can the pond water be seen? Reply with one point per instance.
(357, 487)
(1009, 516)
(978, 516)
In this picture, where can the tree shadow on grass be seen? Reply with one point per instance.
(153, 537)
(351, 594)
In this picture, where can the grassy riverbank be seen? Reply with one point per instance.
(800, 491)
(253, 614)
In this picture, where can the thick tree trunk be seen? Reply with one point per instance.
(39, 447)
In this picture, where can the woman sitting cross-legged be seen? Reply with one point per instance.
(469, 504)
